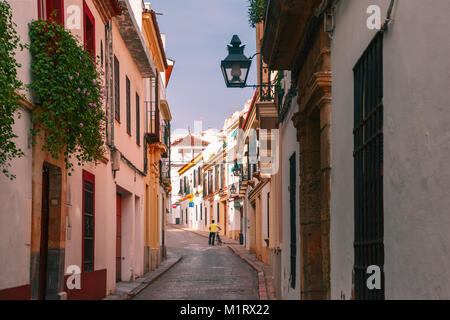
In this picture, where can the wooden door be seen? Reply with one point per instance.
(118, 237)
(44, 234)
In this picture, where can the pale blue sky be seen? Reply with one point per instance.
(198, 32)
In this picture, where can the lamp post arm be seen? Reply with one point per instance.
(258, 85)
(251, 58)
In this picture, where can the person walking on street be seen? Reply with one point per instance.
(212, 232)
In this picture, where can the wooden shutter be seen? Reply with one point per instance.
(218, 212)
(128, 97)
(116, 89)
(46, 8)
(138, 120)
(89, 30)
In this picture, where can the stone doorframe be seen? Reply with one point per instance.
(314, 136)
(56, 234)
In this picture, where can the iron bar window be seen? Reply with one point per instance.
(293, 219)
(88, 221)
(368, 168)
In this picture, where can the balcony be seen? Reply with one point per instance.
(153, 123)
(164, 173)
(157, 130)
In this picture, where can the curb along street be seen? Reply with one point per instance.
(262, 288)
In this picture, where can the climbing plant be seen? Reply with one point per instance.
(68, 90)
(257, 11)
(9, 89)
(278, 86)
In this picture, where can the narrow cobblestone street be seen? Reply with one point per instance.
(312, 136)
(204, 273)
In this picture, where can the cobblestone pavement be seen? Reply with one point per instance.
(204, 273)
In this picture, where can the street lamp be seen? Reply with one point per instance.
(236, 65)
(236, 169)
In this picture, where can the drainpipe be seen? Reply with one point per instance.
(388, 16)
(109, 84)
(115, 158)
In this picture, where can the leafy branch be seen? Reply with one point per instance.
(257, 11)
(68, 89)
(9, 88)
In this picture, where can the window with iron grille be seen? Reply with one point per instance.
(88, 221)
(293, 219)
(205, 191)
(101, 53)
(51, 9)
(138, 120)
(216, 178)
(368, 167)
(268, 214)
(218, 212)
(88, 30)
(222, 176)
(116, 89)
(128, 93)
(209, 181)
(201, 211)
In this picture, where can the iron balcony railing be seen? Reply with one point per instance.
(156, 129)
(165, 168)
(267, 79)
(153, 121)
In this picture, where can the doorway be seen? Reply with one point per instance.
(225, 218)
(49, 267)
(118, 237)
(314, 211)
(44, 233)
(252, 246)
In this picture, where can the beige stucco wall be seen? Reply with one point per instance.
(124, 142)
(16, 195)
(127, 182)
(416, 147)
(15, 213)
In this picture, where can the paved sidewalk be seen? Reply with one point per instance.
(225, 240)
(127, 290)
(265, 275)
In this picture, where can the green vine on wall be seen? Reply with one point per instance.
(278, 87)
(257, 11)
(68, 89)
(9, 88)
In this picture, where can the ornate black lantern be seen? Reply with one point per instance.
(236, 65)
(236, 170)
